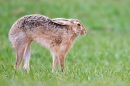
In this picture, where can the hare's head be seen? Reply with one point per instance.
(76, 26)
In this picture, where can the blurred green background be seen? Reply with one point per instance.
(100, 58)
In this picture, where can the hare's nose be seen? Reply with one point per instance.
(85, 31)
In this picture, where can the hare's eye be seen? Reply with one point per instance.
(78, 24)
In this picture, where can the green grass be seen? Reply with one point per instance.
(100, 58)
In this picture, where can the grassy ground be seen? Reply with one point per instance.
(100, 58)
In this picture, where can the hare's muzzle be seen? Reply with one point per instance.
(83, 32)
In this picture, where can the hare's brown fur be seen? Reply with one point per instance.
(57, 35)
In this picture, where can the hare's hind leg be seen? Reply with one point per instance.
(19, 42)
(27, 57)
(19, 55)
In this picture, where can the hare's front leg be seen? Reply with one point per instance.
(62, 54)
(62, 61)
(55, 61)
(56, 58)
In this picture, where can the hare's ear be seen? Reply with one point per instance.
(61, 21)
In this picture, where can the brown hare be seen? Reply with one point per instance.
(56, 34)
